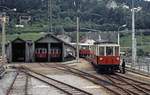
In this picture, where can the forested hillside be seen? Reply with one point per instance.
(105, 15)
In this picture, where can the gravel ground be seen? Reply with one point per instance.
(79, 83)
(67, 78)
(138, 77)
(6, 81)
(38, 88)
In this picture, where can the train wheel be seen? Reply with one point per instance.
(97, 70)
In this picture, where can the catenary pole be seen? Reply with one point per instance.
(133, 36)
(50, 27)
(3, 36)
(77, 38)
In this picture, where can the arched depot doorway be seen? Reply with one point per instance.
(18, 50)
(41, 52)
(56, 52)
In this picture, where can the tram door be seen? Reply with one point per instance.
(41, 52)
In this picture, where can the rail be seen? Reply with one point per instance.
(19, 85)
(11, 86)
(133, 85)
(137, 71)
(113, 88)
(0, 60)
(66, 88)
(142, 65)
(26, 85)
(2, 71)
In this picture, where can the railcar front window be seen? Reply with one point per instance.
(101, 50)
(109, 51)
(116, 51)
(85, 47)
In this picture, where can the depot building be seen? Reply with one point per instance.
(47, 48)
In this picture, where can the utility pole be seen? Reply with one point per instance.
(118, 34)
(50, 27)
(77, 36)
(133, 36)
(4, 33)
(3, 37)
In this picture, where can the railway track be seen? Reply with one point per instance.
(146, 74)
(11, 86)
(26, 85)
(133, 86)
(110, 85)
(0, 59)
(18, 85)
(66, 88)
(2, 71)
(132, 79)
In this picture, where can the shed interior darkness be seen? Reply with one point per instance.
(18, 52)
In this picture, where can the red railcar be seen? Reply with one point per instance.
(43, 52)
(106, 56)
(85, 50)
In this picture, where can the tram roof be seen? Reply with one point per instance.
(100, 44)
(108, 44)
(83, 44)
(104, 42)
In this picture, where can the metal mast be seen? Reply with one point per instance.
(3, 36)
(77, 36)
(133, 36)
(50, 27)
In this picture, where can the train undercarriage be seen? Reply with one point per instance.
(107, 68)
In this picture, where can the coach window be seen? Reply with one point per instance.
(101, 50)
(93, 51)
(109, 51)
(85, 47)
(40, 50)
(116, 51)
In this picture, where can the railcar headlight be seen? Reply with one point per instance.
(117, 58)
(100, 58)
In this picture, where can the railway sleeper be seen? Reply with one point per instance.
(135, 86)
(55, 83)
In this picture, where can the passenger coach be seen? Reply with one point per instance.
(105, 56)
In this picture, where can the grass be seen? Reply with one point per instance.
(143, 42)
(125, 41)
(24, 36)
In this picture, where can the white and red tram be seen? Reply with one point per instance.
(105, 56)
